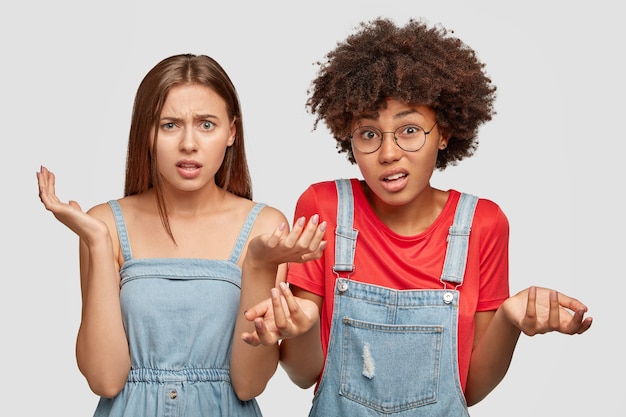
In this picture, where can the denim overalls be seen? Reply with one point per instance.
(393, 351)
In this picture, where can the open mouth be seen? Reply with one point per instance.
(395, 177)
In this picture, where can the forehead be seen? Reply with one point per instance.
(195, 99)
(397, 109)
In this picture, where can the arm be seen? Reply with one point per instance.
(494, 342)
(264, 265)
(302, 357)
(294, 321)
(101, 347)
(532, 311)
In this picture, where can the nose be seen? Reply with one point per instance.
(188, 142)
(389, 150)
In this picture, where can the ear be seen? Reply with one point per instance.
(443, 142)
(233, 132)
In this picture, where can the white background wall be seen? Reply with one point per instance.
(552, 158)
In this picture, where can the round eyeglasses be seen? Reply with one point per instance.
(409, 138)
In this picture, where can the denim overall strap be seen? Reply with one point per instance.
(458, 240)
(390, 352)
(121, 229)
(345, 235)
(245, 231)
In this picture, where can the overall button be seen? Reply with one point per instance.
(448, 297)
(173, 394)
(343, 286)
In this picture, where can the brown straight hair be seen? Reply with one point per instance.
(142, 172)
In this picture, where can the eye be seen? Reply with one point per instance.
(207, 125)
(410, 131)
(168, 126)
(368, 133)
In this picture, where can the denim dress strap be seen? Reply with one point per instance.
(121, 229)
(458, 240)
(245, 231)
(345, 234)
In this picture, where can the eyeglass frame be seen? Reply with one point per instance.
(395, 139)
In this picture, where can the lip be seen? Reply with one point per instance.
(394, 180)
(188, 168)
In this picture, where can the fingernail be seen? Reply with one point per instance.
(301, 221)
(323, 226)
(315, 219)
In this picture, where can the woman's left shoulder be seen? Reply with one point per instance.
(488, 207)
(487, 213)
(268, 217)
(489, 216)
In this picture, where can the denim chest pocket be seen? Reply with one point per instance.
(390, 368)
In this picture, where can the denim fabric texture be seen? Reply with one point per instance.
(394, 352)
(179, 316)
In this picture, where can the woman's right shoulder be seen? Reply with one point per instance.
(105, 207)
(102, 211)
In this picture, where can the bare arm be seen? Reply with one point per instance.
(294, 322)
(264, 265)
(101, 347)
(532, 311)
(494, 342)
(302, 357)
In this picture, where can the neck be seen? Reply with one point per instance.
(413, 217)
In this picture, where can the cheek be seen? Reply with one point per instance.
(366, 164)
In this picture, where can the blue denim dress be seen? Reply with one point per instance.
(179, 317)
(393, 352)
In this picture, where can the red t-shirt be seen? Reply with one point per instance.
(386, 258)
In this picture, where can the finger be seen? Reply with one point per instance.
(585, 325)
(571, 303)
(51, 182)
(292, 304)
(531, 304)
(251, 338)
(578, 324)
(260, 329)
(280, 318)
(277, 235)
(296, 231)
(318, 237)
(47, 193)
(75, 205)
(256, 311)
(554, 315)
(316, 254)
(311, 236)
(42, 180)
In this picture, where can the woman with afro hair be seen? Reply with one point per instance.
(410, 299)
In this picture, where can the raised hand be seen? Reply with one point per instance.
(537, 310)
(282, 316)
(70, 214)
(301, 244)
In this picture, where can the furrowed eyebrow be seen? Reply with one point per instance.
(205, 116)
(195, 116)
